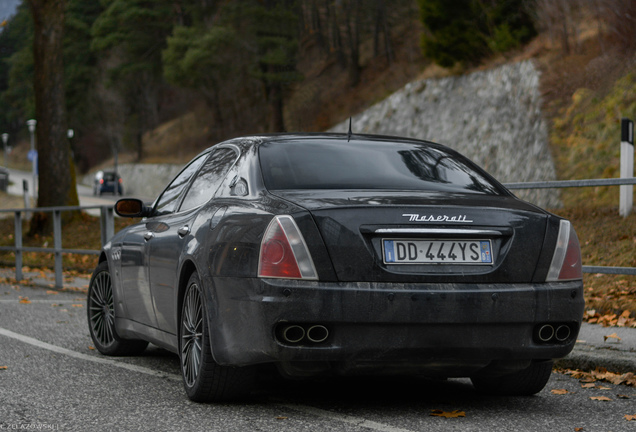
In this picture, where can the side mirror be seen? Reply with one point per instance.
(131, 207)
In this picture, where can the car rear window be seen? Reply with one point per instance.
(338, 164)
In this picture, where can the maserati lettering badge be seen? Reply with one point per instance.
(441, 218)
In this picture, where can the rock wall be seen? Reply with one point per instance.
(492, 117)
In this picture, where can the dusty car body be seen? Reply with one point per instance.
(341, 254)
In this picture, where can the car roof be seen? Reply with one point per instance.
(256, 140)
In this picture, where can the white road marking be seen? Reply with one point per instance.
(94, 359)
(357, 421)
(323, 414)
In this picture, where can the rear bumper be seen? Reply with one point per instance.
(425, 326)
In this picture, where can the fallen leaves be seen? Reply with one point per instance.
(600, 398)
(559, 391)
(630, 417)
(601, 374)
(3, 367)
(25, 300)
(447, 414)
(610, 320)
(612, 336)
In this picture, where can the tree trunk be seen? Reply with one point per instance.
(277, 122)
(56, 169)
(353, 23)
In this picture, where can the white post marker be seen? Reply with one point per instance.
(627, 167)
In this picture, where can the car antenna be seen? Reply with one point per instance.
(349, 133)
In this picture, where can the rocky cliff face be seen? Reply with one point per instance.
(492, 117)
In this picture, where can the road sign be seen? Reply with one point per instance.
(32, 155)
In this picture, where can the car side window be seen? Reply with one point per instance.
(170, 197)
(209, 178)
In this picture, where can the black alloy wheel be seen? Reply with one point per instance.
(203, 379)
(191, 334)
(101, 317)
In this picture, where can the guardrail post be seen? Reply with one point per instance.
(18, 244)
(107, 224)
(57, 244)
(25, 193)
(627, 166)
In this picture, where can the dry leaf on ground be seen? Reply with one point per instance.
(628, 378)
(559, 391)
(447, 414)
(600, 398)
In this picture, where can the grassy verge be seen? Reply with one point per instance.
(81, 233)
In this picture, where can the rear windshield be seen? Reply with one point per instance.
(338, 164)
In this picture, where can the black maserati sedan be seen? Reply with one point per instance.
(339, 254)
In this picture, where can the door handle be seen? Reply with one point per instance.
(183, 231)
(149, 235)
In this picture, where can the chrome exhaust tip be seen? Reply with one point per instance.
(317, 333)
(562, 333)
(293, 334)
(545, 333)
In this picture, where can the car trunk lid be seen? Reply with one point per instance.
(389, 236)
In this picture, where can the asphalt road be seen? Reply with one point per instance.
(51, 379)
(85, 193)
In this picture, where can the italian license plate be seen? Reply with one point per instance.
(404, 251)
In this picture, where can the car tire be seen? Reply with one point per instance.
(525, 382)
(101, 317)
(204, 380)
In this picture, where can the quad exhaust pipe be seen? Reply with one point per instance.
(296, 334)
(317, 333)
(293, 334)
(553, 333)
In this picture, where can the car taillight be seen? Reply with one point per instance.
(284, 253)
(566, 261)
(101, 181)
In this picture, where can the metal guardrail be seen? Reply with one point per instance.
(583, 183)
(572, 183)
(107, 229)
(107, 226)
